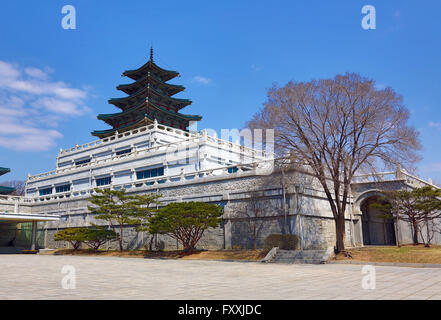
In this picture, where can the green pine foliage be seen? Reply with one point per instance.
(75, 236)
(93, 237)
(115, 207)
(146, 206)
(96, 236)
(186, 221)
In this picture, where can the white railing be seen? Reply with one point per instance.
(195, 138)
(400, 174)
(157, 181)
(137, 131)
(243, 149)
(375, 177)
(414, 180)
(14, 199)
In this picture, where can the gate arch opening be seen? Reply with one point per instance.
(377, 230)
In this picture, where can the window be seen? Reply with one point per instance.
(150, 173)
(64, 188)
(44, 192)
(118, 153)
(79, 162)
(103, 181)
(232, 170)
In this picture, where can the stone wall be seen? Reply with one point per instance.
(13, 205)
(133, 240)
(307, 212)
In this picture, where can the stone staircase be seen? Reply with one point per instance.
(277, 255)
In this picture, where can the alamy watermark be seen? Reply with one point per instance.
(69, 281)
(369, 281)
(369, 21)
(234, 147)
(69, 20)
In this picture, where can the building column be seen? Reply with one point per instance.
(227, 235)
(34, 235)
(45, 236)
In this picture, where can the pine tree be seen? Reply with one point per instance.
(115, 207)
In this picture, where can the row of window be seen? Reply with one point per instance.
(156, 172)
(150, 173)
(118, 153)
(58, 189)
(79, 162)
(44, 192)
(232, 170)
(103, 181)
(63, 188)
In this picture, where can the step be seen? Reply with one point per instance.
(300, 261)
(298, 256)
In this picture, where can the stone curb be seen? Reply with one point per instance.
(139, 257)
(387, 264)
(219, 260)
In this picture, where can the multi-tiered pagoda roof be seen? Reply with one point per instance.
(149, 99)
(5, 190)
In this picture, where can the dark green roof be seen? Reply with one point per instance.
(116, 101)
(150, 101)
(150, 65)
(138, 82)
(6, 190)
(4, 170)
(174, 114)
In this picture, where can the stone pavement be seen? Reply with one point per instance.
(40, 277)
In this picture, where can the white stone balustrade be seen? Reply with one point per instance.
(221, 173)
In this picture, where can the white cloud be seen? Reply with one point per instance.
(256, 67)
(8, 72)
(36, 73)
(60, 106)
(202, 80)
(31, 105)
(435, 124)
(38, 140)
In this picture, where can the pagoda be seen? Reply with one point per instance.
(5, 190)
(149, 99)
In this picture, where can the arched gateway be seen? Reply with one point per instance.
(377, 229)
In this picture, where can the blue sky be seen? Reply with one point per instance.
(53, 82)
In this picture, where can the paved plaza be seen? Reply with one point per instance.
(41, 277)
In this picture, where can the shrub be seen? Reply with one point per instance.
(283, 241)
(96, 236)
(186, 221)
(75, 236)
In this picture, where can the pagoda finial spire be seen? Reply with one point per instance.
(151, 53)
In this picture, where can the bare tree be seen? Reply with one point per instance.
(339, 127)
(18, 185)
(292, 178)
(257, 207)
(269, 197)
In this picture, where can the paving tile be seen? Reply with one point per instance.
(40, 277)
